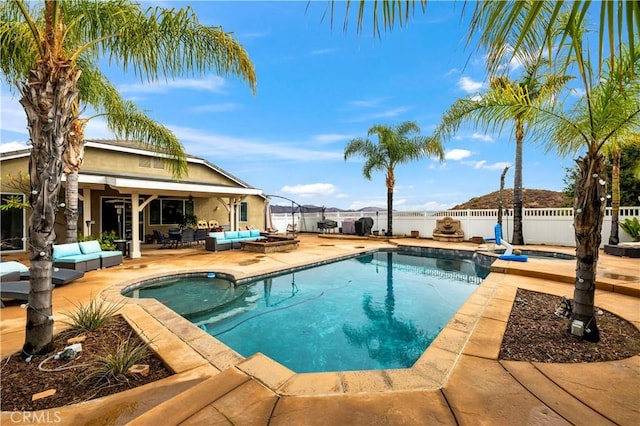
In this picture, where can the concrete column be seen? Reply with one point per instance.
(134, 250)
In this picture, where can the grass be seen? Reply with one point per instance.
(91, 316)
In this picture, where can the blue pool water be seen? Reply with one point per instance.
(374, 311)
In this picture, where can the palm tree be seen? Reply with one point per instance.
(396, 145)
(608, 111)
(496, 21)
(489, 113)
(614, 152)
(124, 120)
(43, 49)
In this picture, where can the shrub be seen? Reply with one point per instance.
(631, 227)
(92, 316)
(107, 239)
(114, 365)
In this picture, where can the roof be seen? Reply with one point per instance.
(135, 183)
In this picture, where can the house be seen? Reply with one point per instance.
(128, 189)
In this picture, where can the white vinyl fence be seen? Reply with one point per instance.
(552, 226)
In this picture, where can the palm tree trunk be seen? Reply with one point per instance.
(518, 237)
(74, 155)
(615, 198)
(500, 203)
(589, 208)
(391, 181)
(47, 98)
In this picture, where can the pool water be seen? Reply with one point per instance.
(375, 311)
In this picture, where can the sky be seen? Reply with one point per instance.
(318, 87)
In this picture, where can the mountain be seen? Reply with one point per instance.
(531, 198)
(318, 209)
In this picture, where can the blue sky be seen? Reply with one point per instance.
(318, 88)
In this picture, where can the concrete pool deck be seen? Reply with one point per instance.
(458, 380)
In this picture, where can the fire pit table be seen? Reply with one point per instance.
(270, 244)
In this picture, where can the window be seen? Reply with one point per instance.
(244, 212)
(144, 162)
(169, 211)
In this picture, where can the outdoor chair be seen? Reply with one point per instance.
(291, 229)
(187, 236)
(200, 235)
(162, 239)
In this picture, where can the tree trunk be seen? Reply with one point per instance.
(589, 207)
(73, 157)
(500, 203)
(614, 236)
(391, 181)
(47, 99)
(518, 237)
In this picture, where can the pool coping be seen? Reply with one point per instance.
(475, 329)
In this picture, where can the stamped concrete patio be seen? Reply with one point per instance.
(458, 380)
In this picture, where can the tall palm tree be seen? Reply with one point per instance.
(156, 43)
(396, 145)
(530, 88)
(608, 110)
(123, 119)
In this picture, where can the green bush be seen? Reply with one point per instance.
(92, 316)
(631, 227)
(107, 239)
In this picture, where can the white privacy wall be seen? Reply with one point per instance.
(552, 226)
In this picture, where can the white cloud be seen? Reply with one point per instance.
(457, 154)
(210, 84)
(204, 144)
(482, 164)
(577, 92)
(390, 113)
(12, 146)
(321, 52)
(309, 190)
(484, 138)
(469, 85)
(359, 204)
(366, 103)
(330, 138)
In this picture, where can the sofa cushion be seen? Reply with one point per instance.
(79, 258)
(217, 235)
(231, 235)
(254, 233)
(87, 247)
(113, 253)
(64, 250)
(244, 234)
(12, 266)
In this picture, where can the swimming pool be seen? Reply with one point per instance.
(375, 311)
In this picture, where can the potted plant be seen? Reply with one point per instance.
(631, 227)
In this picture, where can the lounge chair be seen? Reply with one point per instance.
(16, 271)
(18, 290)
(14, 280)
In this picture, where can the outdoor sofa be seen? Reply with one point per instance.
(225, 240)
(84, 256)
